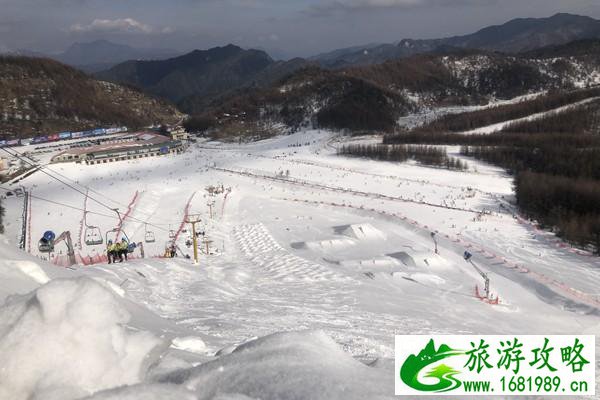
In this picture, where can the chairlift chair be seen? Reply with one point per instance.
(131, 247)
(92, 235)
(149, 237)
(171, 234)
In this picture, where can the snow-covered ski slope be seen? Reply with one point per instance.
(322, 258)
(501, 125)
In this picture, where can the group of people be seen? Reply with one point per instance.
(171, 251)
(117, 250)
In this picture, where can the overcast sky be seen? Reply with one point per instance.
(282, 27)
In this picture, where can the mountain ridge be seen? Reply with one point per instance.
(515, 36)
(41, 96)
(196, 78)
(102, 54)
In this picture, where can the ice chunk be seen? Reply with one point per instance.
(191, 344)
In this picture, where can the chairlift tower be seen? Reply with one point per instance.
(210, 205)
(193, 220)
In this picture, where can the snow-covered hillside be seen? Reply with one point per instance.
(314, 263)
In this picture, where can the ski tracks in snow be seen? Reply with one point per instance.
(266, 254)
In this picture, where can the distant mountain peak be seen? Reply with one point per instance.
(102, 54)
(202, 74)
(514, 36)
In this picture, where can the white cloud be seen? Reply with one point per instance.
(119, 25)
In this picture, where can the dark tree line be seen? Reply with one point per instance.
(362, 107)
(556, 163)
(489, 116)
(427, 155)
(571, 205)
(557, 185)
(566, 161)
(494, 139)
(578, 120)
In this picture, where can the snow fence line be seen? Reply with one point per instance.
(130, 208)
(540, 278)
(186, 214)
(558, 243)
(29, 223)
(342, 190)
(356, 171)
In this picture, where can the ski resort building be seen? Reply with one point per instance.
(179, 134)
(126, 147)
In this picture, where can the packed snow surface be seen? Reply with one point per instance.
(311, 263)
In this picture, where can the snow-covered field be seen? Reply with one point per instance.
(315, 263)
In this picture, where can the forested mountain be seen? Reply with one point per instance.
(41, 96)
(196, 78)
(463, 78)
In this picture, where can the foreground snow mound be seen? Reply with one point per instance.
(301, 365)
(145, 392)
(22, 273)
(67, 339)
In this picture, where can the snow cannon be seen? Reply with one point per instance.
(467, 256)
(49, 236)
(46, 243)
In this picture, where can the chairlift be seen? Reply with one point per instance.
(131, 246)
(93, 235)
(172, 234)
(148, 235)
